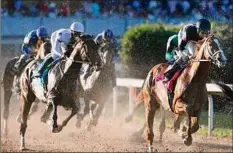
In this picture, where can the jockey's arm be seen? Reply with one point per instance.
(56, 47)
(182, 41)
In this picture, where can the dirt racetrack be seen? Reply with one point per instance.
(110, 135)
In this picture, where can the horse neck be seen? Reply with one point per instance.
(72, 68)
(200, 69)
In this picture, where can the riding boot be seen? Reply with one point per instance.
(170, 73)
(40, 69)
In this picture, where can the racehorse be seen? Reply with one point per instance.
(189, 93)
(61, 86)
(97, 87)
(227, 91)
(11, 79)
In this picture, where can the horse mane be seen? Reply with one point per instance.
(43, 50)
(191, 70)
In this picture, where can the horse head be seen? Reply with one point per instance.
(107, 57)
(213, 51)
(86, 51)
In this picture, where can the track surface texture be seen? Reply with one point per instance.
(110, 135)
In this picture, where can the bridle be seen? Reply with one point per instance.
(80, 61)
(213, 56)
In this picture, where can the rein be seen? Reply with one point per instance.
(78, 61)
(210, 54)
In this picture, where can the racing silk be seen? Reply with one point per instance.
(187, 33)
(29, 43)
(172, 43)
(59, 41)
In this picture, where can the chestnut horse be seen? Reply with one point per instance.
(11, 80)
(61, 86)
(190, 92)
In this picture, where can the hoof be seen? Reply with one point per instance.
(44, 120)
(23, 148)
(188, 141)
(150, 149)
(57, 129)
(128, 118)
(184, 135)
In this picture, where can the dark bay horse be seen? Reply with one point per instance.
(97, 87)
(11, 79)
(189, 94)
(61, 86)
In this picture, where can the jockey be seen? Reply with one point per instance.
(194, 32)
(103, 39)
(172, 45)
(60, 41)
(31, 44)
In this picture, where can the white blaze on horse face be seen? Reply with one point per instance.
(221, 53)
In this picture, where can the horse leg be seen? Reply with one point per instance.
(7, 96)
(34, 108)
(186, 129)
(150, 109)
(176, 124)
(194, 124)
(95, 118)
(8, 79)
(195, 118)
(73, 112)
(80, 117)
(55, 128)
(26, 102)
(162, 124)
(47, 112)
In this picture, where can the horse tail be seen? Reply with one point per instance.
(7, 82)
(140, 97)
(43, 50)
(228, 92)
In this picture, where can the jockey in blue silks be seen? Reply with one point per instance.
(60, 41)
(31, 44)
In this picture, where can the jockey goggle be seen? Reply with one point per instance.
(204, 33)
(75, 34)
